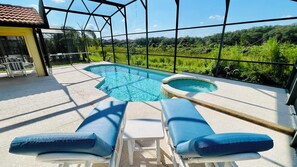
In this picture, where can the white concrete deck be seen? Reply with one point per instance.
(60, 102)
(260, 101)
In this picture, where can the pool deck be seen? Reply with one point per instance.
(60, 102)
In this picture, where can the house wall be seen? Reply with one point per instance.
(27, 33)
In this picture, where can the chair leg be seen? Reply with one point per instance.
(65, 164)
(227, 164)
(120, 152)
(233, 164)
(24, 72)
(130, 151)
(9, 72)
(167, 139)
(87, 164)
(208, 164)
(158, 151)
(181, 162)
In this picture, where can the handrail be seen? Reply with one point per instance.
(212, 58)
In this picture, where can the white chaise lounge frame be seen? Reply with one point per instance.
(66, 159)
(227, 160)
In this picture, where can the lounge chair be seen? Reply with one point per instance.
(97, 140)
(194, 141)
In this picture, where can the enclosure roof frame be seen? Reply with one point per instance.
(89, 13)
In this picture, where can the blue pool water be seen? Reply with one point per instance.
(191, 85)
(128, 83)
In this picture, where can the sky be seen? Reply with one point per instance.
(162, 15)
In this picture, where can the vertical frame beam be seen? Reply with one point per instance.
(126, 30)
(43, 48)
(294, 141)
(40, 52)
(102, 47)
(20, 47)
(176, 35)
(43, 13)
(112, 43)
(293, 93)
(292, 89)
(8, 46)
(85, 55)
(146, 33)
(65, 41)
(222, 38)
(99, 32)
(292, 76)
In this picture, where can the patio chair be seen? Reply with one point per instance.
(28, 64)
(14, 65)
(194, 141)
(4, 65)
(98, 139)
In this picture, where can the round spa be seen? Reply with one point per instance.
(186, 86)
(193, 85)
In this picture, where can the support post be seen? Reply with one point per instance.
(294, 141)
(293, 91)
(43, 48)
(292, 76)
(102, 47)
(146, 33)
(65, 42)
(127, 40)
(85, 55)
(222, 38)
(112, 43)
(40, 52)
(20, 47)
(8, 47)
(176, 34)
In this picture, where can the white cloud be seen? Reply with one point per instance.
(287, 16)
(59, 1)
(90, 27)
(34, 6)
(123, 20)
(139, 29)
(155, 25)
(216, 17)
(201, 22)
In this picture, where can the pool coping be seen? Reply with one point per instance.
(135, 67)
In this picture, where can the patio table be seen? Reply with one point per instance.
(143, 129)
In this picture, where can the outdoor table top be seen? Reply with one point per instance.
(143, 129)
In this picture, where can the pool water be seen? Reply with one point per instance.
(128, 83)
(191, 85)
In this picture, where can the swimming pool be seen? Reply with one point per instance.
(129, 83)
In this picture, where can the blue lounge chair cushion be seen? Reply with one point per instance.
(184, 121)
(60, 142)
(225, 144)
(105, 121)
(96, 135)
